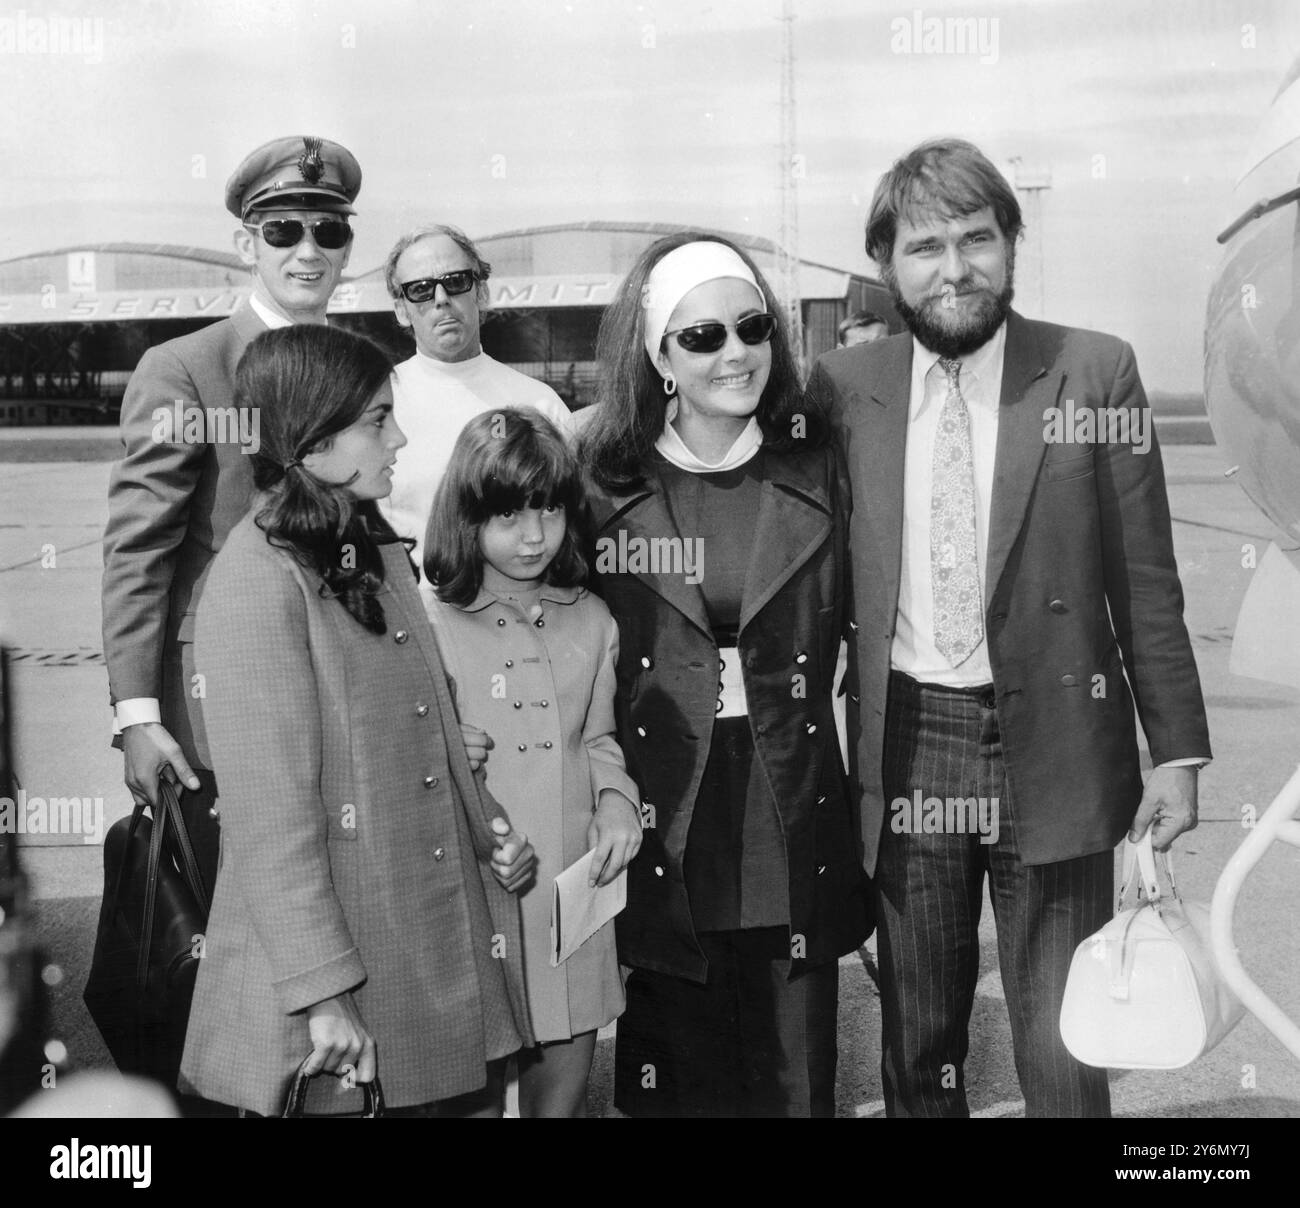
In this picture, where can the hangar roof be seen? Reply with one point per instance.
(563, 265)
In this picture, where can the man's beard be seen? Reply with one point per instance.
(975, 329)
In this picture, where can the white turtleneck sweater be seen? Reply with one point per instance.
(432, 402)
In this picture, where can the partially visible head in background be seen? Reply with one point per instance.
(861, 327)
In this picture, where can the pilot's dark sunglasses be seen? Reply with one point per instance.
(460, 282)
(709, 337)
(329, 233)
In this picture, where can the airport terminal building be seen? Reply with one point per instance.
(74, 321)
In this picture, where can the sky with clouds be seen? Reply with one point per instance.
(500, 114)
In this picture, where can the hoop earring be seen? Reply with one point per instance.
(670, 385)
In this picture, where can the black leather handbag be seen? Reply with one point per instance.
(295, 1107)
(150, 940)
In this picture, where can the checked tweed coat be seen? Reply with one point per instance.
(354, 843)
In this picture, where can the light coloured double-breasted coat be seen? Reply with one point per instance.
(354, 843)
(543, 687)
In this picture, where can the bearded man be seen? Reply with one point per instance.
(1015, 595)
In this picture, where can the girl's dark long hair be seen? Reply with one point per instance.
(504, 460)
(616, 444)
(306, 384)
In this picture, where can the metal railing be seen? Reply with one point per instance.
(1277, 824)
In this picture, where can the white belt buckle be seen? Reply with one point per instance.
(731, 684)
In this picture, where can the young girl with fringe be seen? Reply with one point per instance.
(532, 654)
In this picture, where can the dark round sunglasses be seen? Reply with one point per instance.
(460, 282)
(328, 233)
(709, 337)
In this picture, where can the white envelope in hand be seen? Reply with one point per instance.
(579, 910)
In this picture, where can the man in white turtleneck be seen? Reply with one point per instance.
(438, 282)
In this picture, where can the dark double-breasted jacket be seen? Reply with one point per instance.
(668, 675)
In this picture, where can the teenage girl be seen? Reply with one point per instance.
(364, 873)
(532, 654)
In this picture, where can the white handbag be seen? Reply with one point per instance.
(1144, 992)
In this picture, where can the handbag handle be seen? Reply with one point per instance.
(168, 811)
(189, 863)
(1140, 857)
(294, 1106)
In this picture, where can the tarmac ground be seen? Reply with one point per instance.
(52, 515)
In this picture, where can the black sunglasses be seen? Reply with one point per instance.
(459, 282)
(328, 233)
(709, 337)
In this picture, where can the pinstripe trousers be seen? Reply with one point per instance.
(943, 743)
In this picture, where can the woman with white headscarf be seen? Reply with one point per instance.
(720, 512)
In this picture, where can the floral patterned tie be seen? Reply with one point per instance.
(954, 565)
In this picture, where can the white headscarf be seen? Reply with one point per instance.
(677, 274)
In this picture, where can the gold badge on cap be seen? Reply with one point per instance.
(310, 163)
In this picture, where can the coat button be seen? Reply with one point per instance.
(1069, 681)
(523, 746)
(421, 710)
(801, 657)
(641, 731)
(510, 662)
(438, 853)
(400, 636)
(659, 870)
(519, 704)
(548, 744)
(501, 620)
(213, 812)
(1058, 606)
(812, 727)
(430, 782)
(546, 704)
(540, 623)
(821, 868)
(647, 662)
(853, 625)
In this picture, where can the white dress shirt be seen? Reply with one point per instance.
(980, 381)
